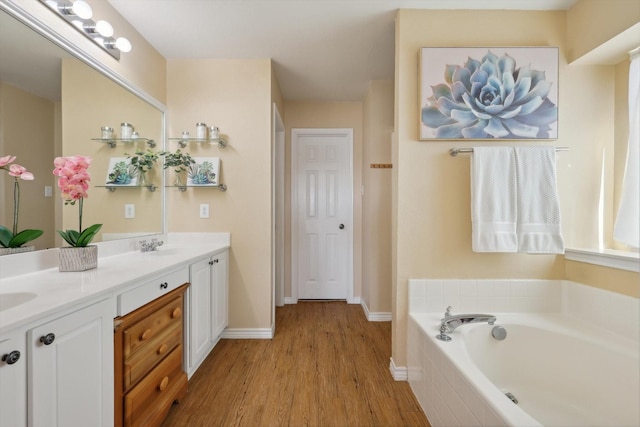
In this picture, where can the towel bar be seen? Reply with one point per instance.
(455, 151)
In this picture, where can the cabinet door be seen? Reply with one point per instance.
(13, 379)
(221, 290)
(70, 368)
(200, 295)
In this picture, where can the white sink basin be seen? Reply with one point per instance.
(12, 299)
(165, 251)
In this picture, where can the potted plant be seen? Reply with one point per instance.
(143, 162)
(12, 241)
(73, 181)
(180, 162)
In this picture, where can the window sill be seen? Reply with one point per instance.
(629, 261)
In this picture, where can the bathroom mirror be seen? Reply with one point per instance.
(53, 104)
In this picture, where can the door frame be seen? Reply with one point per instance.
(342, 132)
(277, 210)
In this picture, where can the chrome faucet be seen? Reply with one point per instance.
(450, 323)
(150, 246)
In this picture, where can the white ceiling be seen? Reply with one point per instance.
(322, 49)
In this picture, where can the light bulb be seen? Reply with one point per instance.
(82, 9)
(123, 44)
(104, 28)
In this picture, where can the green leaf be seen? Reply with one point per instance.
(5, 236)
(23, 237)
(68, 236)
(87, 235)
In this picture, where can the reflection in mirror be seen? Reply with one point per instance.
(53, 104)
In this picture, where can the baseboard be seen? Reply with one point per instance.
(373, 316)
(399, 373)
(290, 300)
(248, 333)
(354, 300)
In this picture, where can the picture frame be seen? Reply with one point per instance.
(488, 93)
(205, 172)
(121, 173)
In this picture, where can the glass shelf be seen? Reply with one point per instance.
(113, 188)
(111, 142)
(182, 188)
(182, 142)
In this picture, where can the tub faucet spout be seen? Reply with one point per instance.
(451, 322)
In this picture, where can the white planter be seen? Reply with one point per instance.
(78, 259)
(11, 251)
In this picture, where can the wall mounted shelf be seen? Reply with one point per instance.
(113, 188)
(112, 142)
(182, 142)
(182, 188)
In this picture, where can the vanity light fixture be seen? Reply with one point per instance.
(78, 13)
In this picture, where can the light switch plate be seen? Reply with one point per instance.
(204, 210)
(129, 210)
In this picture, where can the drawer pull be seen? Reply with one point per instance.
(11, 358)
(163, 384)
(164, 285)
(48, 339)
(176, 313)
(163, 348)
(146, 335)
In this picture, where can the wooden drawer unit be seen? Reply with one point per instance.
(149, 375)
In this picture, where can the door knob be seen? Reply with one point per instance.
(341, 226)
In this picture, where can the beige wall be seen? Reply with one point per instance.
(27, 126)
(611, 279)
(592, 23)
(143, 67)
(308, 114)
(376, 201)
(90, 101)
(236, 96)
(432, 212)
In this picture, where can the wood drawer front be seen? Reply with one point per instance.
(137, 297)
(149, 355)
(141, 336)
(148, 402)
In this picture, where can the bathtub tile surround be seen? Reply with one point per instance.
(451, 394)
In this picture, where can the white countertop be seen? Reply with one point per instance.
(57, 291)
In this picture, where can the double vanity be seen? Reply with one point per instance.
(146, 319)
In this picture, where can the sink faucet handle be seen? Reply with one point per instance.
(447, 313)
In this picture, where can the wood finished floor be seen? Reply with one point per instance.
(326, 366)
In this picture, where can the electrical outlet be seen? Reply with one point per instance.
(204, 210)
(48, 191)
(129, 210)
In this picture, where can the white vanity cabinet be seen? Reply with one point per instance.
(208, 307)
(70, 369)
(13, 379)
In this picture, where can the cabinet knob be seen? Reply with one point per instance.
(176, 313)
(163, 384)
(146, 335)
(48, 339)
(162, 349)
(11, 358)
(164, 285)
(215, 261)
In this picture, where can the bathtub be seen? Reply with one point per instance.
(562, 371)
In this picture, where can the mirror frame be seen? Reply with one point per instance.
(53, 36)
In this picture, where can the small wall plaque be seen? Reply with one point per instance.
(381, 166)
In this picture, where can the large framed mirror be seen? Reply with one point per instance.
(53, 103)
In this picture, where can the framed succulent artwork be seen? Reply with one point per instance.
(507, 93)
(121, 173)
(204, 172)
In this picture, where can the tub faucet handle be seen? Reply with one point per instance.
(447, 313)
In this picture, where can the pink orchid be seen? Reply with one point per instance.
(21, 172)
(13, 238)
(73, 182)
(4, 161)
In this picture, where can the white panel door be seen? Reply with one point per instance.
(323, 212)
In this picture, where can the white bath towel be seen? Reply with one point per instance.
(493, 200)
(538, 207)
